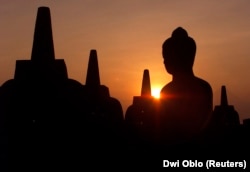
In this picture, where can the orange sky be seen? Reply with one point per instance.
(128, 36)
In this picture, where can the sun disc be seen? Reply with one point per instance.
(156, 92)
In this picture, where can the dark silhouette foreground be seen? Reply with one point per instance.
(139, 117)
(51, 122)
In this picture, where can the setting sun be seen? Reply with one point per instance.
(156, 92)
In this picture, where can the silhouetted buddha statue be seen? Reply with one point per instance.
(186, 102)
